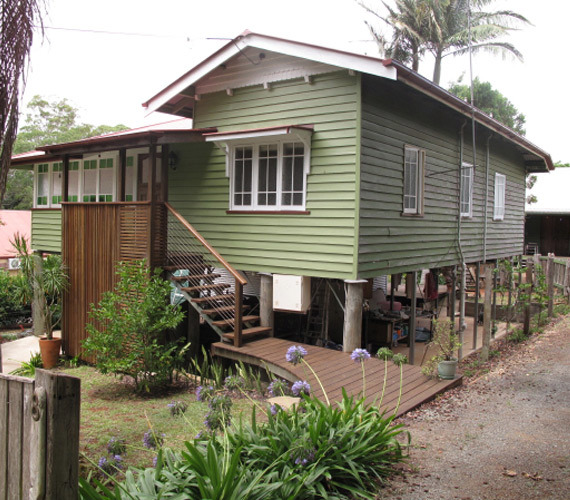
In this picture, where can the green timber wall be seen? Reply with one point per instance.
(321, 243)
(46, 230)
(393, 116)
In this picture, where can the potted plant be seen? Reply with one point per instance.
(446, 340)
(45, 281)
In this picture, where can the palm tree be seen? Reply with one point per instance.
(446, 27)
(17, 23)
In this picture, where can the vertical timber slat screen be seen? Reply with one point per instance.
(94, 238)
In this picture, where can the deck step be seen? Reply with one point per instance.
(214, 298)
(247, 333)
(217, 310)
(231, 321)
(205, 288)
(196, 277)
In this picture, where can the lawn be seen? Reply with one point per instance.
(110, 408)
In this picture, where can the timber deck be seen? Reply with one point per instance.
(337, 371)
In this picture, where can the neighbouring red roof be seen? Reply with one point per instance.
(12, 222)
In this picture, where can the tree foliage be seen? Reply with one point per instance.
(17, 23)
(127, 335)
(53, 122)
(443, 27)
(492, 102)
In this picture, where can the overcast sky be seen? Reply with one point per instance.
(149, 43)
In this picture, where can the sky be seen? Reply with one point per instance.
(149, 43)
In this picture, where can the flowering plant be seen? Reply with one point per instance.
(177, 407)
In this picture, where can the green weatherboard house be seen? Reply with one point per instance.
(301, 165)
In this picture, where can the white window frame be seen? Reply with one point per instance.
(500, 196)
(256, 145)
(466, 168)
(98, 158)
(416, 193)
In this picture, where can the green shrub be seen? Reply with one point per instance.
(315, 451)
(28, 368)
(11, 303)
(128, 333)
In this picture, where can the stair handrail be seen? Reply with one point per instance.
(240, 281)
(236, 274)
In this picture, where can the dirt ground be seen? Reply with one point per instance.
(503, 435)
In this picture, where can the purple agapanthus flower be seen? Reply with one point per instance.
(360, 355)
(275, 409)
(204, 393)
(152, 440)
(278, 387)
(295, 354)
(102, 463)
(301, 387)
(154, 461)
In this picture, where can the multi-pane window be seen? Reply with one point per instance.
(73, 190)
(42, 195)
(500, 195)
(56, 172)
(269, 176)
(106, 186)
(89, 180)
(414, 165)
(466, 190)
(130, 179)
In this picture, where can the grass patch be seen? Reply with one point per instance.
(110, 408)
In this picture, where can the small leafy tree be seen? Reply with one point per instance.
(128, 332)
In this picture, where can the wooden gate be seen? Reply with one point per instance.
(39, 437)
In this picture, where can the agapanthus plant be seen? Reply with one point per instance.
(296, 354)
(360, 356)
(301, 387)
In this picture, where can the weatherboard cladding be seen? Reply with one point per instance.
(393, 117)
(46, 230)
(318, 244)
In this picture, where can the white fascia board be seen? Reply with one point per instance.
(303, 134)
(191, 77)
(363, 64)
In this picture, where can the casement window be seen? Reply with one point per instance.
(268, 176)
(467, 190)
(42, 185)
(130, 179)
(500, 195)
(99, 179)
(73, 189)
(267, 168)
(414, 167)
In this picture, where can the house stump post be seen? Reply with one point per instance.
(462, 325)
(193, 329)
(352, 329)
(476, 313)
(550, 285)
(266, 301)
(489, 268)
(412, 323)
(528, 293)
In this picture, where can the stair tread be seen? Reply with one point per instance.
(198, 267)
(217, 310)
(213, 298)
(191, 277)
(249, 332)
(231, 321)
(203, 288)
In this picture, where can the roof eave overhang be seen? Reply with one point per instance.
(543, 161)
(333, 57)
(142, 139)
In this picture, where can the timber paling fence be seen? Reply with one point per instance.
(39, 437)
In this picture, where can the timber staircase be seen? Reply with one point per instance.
(208, 282)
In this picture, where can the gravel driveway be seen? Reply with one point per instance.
(505, 435)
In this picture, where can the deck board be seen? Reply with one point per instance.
(337, 371)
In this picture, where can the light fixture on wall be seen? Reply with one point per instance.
(172, 160)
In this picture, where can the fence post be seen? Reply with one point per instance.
(529, 289)
(489, 268)
(62, 434)
(550, 285)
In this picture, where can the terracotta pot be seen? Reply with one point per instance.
(447, 369)
(49, 350)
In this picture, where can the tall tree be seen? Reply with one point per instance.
(492, 102)
(18, 19)
(448, 27)
(52, 122)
